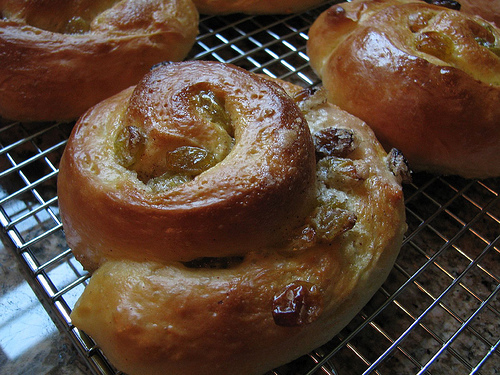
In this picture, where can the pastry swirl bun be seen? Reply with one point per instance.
(254, 6)
(256, 243)
(128, 155)
(60, 58)
(426, 79)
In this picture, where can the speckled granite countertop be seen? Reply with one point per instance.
(30, 343)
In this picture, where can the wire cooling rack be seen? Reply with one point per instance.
(437, 313)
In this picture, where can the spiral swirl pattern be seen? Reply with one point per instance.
(194, 162)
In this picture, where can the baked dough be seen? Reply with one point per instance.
(488, 9)
(237, 300)
(59, 58)
(254, 6)
(124, 160)
(425, 78)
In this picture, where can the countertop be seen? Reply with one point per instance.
(30, 343)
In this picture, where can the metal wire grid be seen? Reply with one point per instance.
(270, 45)
(437, 312)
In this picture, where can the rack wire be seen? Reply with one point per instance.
(437, 312)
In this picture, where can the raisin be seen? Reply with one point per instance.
(190, 160)
(211, 107)
(299, 303)
(129, 145)
(330, 222)
(398, 165)
(77, 25)
(334, 142)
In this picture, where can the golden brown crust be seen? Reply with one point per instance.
(271, 304)
(254, 6)
(127, 207)
(425, 78)
(57, 63)
(487, 9)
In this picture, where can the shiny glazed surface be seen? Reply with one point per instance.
(259, 161)
(151, 306)
(60, 58)
(425, 78)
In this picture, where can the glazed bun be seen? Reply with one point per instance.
(230, 228)
(60, 58)
(142, 162)
(425, 78)
(254, 6)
